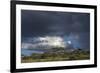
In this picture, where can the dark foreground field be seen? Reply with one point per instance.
(56, 56)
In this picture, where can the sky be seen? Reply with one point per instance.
(73, 28)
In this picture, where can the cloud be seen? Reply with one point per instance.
(69, 26)
(46, 23)
(46, 42)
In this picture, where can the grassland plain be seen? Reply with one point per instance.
(60, 55)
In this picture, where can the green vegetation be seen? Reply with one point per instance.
(56, 54)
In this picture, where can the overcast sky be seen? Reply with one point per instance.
(68, 25)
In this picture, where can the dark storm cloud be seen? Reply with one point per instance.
(68, 25)
(41, 23)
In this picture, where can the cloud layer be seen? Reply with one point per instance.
(44, 42)
(49, 23)
(66, 26)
